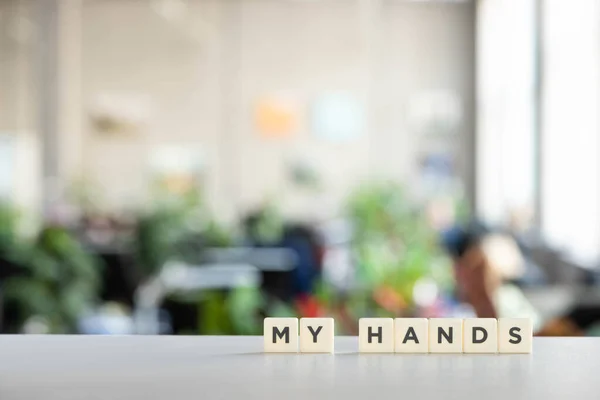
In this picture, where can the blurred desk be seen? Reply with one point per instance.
(554, 300)
(163, 367)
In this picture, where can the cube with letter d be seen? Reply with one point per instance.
(480, 335)
(280, 335)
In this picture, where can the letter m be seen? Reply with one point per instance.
(277, 333)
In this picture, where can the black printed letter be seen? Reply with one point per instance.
(410, 335)
(280, 334)
(517, 338)
(441, 333)
(479, 329)
(314, 334)
(379, 334)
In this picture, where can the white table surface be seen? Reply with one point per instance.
(180, 367)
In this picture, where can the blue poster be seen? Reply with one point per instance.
(339, 117)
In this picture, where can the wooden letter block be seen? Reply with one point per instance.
(412, 335)
(480, 335)
(376, 335)
(515, 335)
(316, 335)
(280, 335)
(445, 335)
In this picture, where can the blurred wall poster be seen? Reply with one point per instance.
(120, 113)
(177, 169)
(276, 117)
(338, 116)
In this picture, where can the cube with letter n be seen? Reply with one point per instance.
(445, 335)
(280, 335)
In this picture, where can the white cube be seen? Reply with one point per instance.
(280, 335)
(480, 335)
(412, 335)
(445, 335)
(376, 335)
(515, 335)
(316, 335)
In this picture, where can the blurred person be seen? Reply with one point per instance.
(485, 267)
(486, 263)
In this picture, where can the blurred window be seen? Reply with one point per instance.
(570, 145)
(506, 109)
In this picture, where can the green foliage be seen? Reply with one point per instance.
(56, 279)
(214, 318)
(157, 238)
(394, 246)
(268, 227)
(243, 305)
(11, 248)
(165, 232)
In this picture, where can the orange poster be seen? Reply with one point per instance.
(276, 118)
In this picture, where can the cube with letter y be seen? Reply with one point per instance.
(316, 335)
(376, 335)
(280, 335)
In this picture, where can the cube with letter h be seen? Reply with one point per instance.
(376, 335)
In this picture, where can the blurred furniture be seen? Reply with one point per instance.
(181, 277)
(276, 265)
(120, 278)
(555, 300)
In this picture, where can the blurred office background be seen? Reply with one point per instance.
(191, 166)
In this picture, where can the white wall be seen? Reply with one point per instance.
(17, 67)
(205, 71)
(20, 170)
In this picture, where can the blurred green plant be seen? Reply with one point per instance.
(178, 227)
(11, 248)
(52, 277)
(266, 226)
(243, 305)
(175, 229)
(394, 247)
